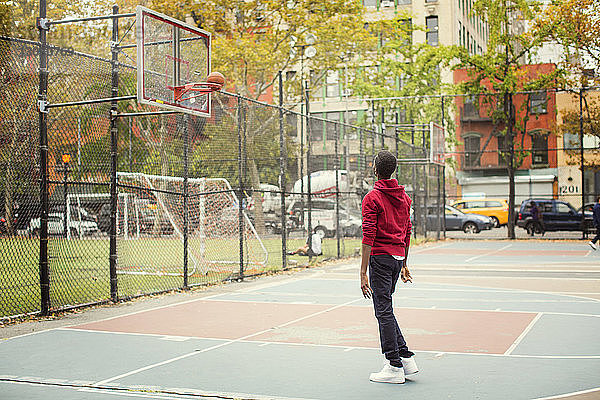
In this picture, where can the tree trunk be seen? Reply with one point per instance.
(511, 169)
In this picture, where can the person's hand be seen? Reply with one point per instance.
(405, 274)
(364, 286)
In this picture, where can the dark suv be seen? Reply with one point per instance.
(557, 215)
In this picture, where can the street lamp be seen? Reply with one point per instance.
(66, 158)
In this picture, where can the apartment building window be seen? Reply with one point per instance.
(472, 147)
(459, 33)
(333, 84)
(539, 144)
(350, 117)
(370, 3)
(406, 25)
(316, 127)
(292, 125)
(470, 107)
(570, 140)
(332, 129)
(432, 30)
(538, 103)
(502, 150)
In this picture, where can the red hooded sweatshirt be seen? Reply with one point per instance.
(386, 218)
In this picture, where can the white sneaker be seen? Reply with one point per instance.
(388, 374)
(594, 246)
(409, 365)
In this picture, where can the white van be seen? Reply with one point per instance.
(323, 217)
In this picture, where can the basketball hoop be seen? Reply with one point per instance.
(196, 89)
(214, 82)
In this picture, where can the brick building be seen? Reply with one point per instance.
(481, 155)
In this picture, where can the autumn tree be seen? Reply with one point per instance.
(499, 73)
(575, 26)
(575, 30)
(397, 67)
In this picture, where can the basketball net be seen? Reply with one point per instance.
(194, 90)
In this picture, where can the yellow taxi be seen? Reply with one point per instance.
(497, 209)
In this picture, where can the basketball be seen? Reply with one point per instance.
(216, 77)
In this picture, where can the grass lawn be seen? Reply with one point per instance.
(79, 268)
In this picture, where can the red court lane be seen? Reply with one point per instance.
(424, 329)
(353, 326)
(208, 319)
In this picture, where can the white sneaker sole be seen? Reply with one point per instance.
(386, 380)
(411, 369)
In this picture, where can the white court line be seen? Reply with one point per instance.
(562, 396)
(489, 253)
(137, 391)
(272, 284)
(131, 394)
(102, 382)
(262, 343)
(153, 309)
(523, 334)
(427, 248)
(369, 305)
(402, 294)
(478, 288)
(512, 278)
(118, 316)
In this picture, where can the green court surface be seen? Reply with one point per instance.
(486, 319)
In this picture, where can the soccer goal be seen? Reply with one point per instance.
(158, 214)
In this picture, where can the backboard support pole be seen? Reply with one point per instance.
(114, 294)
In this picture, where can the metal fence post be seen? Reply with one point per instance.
(337, 191)
(282, 169)
(444, 198)
(308, 143)
(438, 201)
(43, 122)
(186, 214)
(241, 167)
(363, 159)
(114, 295)
(583, 230)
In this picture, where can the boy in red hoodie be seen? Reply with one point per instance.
(386, 237)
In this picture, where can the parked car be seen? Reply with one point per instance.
(323, 217)
(497, 209)
(77, 228)
(557, 215)
(589, 216)
(456, 220)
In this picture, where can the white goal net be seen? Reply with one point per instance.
(152, 209)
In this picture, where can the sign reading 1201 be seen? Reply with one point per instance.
(568, 189)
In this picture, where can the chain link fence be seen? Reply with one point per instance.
(196, 200)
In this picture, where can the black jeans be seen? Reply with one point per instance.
(597, 237)
(384, 271)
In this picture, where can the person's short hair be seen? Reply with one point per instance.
(385, 164)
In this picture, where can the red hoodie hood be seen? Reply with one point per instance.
(391, 188)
